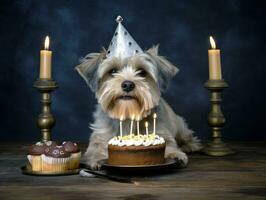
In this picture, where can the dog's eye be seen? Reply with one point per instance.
(141, 72)
(113, 71)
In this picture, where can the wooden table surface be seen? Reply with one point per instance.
(240, 176)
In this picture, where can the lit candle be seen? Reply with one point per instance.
(154, 123)
(131, 124)
(214, 61)
(147, 128)
(121, 127)
(45, 61)
(138, 118)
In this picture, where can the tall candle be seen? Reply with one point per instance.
(154, 123)
(138, 125)
(46, 61)
(147, 128)
(131, 124)
(214, 61)
(121, 126)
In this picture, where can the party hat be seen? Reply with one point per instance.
(122, 44)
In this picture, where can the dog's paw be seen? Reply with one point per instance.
(180, 156)
(94, 165)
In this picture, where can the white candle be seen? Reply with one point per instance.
(121, 128)
(214, 61)
(46, 61)
(131, 124)
(138, 125)
(147, 128)
(154, 123)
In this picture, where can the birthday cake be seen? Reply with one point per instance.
(136, 150)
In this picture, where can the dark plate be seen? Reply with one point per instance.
(28, 171)
(169, 164)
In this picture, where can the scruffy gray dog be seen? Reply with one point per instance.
(128, 82)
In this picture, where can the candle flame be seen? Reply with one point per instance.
(138, 118)
(121, 118)
(46, 43)
(213, 45)
(146, 124)
(133, 117)
(154, 115)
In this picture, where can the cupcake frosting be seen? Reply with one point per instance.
(56, 152)
(37, 148)
(51, 143)
(130, 140)
(71, 147)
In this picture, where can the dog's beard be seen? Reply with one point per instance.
(125, 108)
(138, 102)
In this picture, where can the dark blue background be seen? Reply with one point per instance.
(181, 27)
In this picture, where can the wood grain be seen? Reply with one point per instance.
(240, 176)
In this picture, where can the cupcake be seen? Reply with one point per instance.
(55, 158)
(34, 156)
(73, 149)
(51, 143)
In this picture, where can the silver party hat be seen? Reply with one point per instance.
(122, 44)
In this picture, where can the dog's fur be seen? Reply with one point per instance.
(151, 74)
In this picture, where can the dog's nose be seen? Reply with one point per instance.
(127, 86)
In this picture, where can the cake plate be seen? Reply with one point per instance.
(28, 171)
(168, 165)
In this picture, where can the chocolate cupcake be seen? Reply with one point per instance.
(56, 159)
(73, 149)
(51, 143)
(34, 155)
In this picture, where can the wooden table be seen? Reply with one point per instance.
(240, 176)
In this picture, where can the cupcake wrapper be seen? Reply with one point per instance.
(55, 164)
(52, 160)
(36, 162)
(74, 160)
(29, 159)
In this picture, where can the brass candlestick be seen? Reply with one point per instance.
(46, 120)
(216, 120)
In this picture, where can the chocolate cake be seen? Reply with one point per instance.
(136, 150)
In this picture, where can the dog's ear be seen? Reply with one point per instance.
(88, 68)
(166, 70)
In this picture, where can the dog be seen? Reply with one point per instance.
(132, 86)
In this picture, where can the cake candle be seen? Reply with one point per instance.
(154, 123)
(138, 125)
(121, 128)
(147, 128)
(131, 124)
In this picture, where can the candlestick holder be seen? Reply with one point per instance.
(216, 120)
(46, 120)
